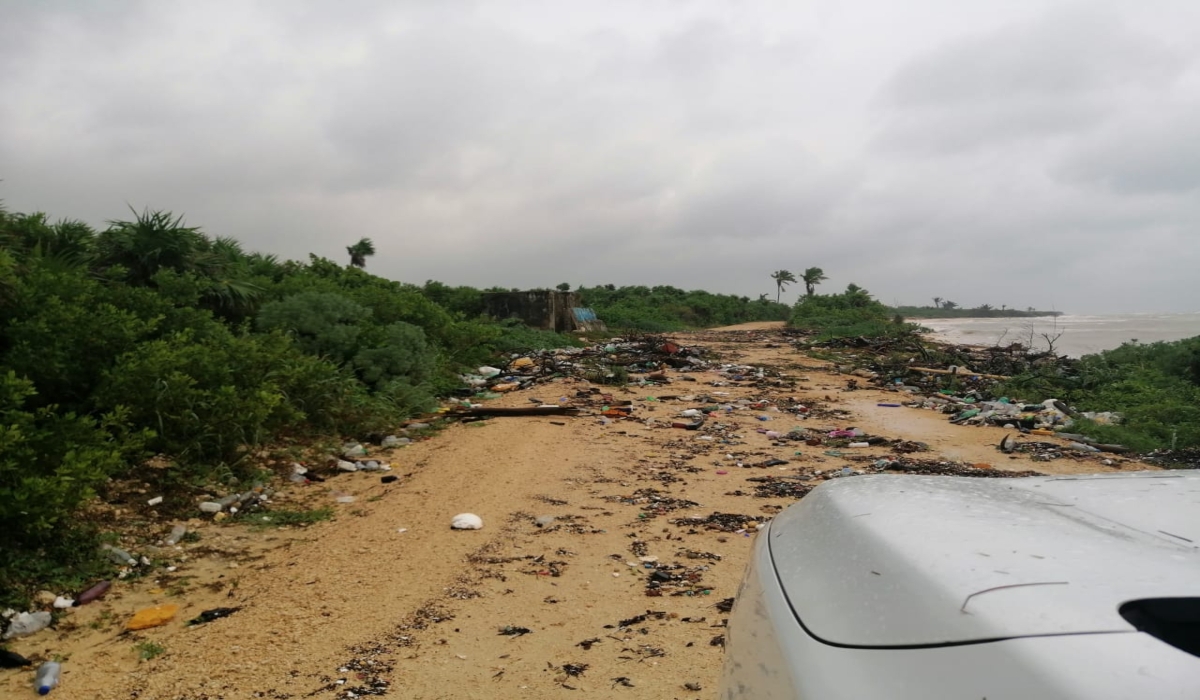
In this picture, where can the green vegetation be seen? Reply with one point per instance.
(811, 278)
(949, 309)
(152, 338)
(147, 649)
(852, 313)
(664, 308)
(1155, 387)
(782, 279)
(359, 252)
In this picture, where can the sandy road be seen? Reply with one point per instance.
(388, 593)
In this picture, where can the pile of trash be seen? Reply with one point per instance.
(618, 361)
(1187, 458)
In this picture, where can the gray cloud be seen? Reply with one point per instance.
(1024, 154)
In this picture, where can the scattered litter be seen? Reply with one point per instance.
(512, 631)
(210, 615)
(11, 659)
(779, 487)
(46, 677)
(725, 522)
(466, 521)
(26, 623)
(152, 617)
(119, 556)
(176, 535)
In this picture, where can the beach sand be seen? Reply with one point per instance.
(388, 591)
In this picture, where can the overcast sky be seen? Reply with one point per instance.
(1026, 152)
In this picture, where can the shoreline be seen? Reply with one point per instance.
(387, 594)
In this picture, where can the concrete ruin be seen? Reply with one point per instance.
(545, 309)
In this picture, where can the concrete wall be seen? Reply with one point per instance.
(544, 309)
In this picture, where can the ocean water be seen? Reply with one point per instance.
(1077, 335)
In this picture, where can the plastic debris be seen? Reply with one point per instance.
(93, 593)
(466, 521)
(210, 615)
(47, 677)
(11, 659)
(26, 623)
(176, 535)
(119, 556)
(152, 617)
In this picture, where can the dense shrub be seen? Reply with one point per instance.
(1156, 387)
(852, 313)
(322, 323)
(50, 462)
(666, 308)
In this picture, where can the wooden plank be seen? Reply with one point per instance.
(516, 411)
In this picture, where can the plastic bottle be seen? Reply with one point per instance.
(177, 534)
(119, 556)
(24, 624)
(47, 677)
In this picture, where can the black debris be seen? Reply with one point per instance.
(11, 659)
(725, 522)
(574, 670)
(512, 631)
(779, 487)
(210, 615)
(639, 619)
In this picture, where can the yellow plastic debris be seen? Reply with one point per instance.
(522, 363)
(501, 388)
(152, 617)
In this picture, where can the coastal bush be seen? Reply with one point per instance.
(321, 323)
(853, 313)
(1155, 387)
(50, 462)
(665, 308)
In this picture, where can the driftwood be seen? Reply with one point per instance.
(517, 411)
(961, 372)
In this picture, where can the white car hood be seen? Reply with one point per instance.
(903, 561)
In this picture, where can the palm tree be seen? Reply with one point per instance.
(812, 277)
(949, 304)
(857, 296)
(782, 279)
(359, 252)
(153, 241)
(937, 302)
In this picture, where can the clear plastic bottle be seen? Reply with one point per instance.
(47, 677)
